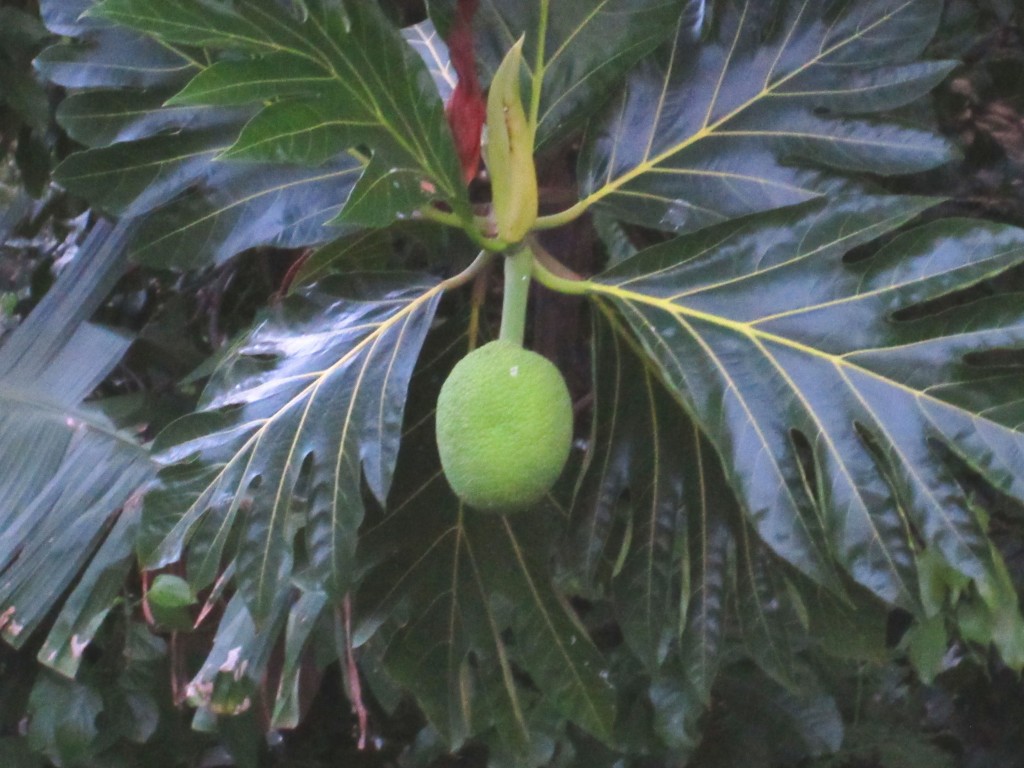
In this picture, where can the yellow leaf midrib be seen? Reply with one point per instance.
(757, 336)
(650, 164)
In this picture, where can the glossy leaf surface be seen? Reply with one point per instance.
(149, 159)
(744, 120)
(576, 53)
(304, 407)
(630, 523)
(328, 77)
(787, 429)
(65, 470)
(826, 383)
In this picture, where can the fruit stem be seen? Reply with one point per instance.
(518, 267)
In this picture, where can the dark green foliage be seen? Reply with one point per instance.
(790, 529)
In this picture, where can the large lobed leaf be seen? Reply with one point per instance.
(302, 418)
(310, 401)
(473, 609)
(656, 529)
(149, 159)
(65, 470)
(630, 524)
(327, 77)
(745, 119)
(834, 390)
(829, 386)
(576, 54)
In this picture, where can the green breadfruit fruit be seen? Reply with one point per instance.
(169, 598)
(504, 427)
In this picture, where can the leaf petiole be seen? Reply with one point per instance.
(518, 268)
(550, 273)
(562, 217)
(492, 244)
(475, 267)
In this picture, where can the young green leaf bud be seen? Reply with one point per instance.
(510, 151)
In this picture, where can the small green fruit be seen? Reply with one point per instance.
(169, 591)
(504, 427)
(169, 599)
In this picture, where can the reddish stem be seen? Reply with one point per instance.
(355, 689)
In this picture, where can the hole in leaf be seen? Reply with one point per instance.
(877, 452)
(896, 625)
(996, 358)
(804, 453)
(1009, 281)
